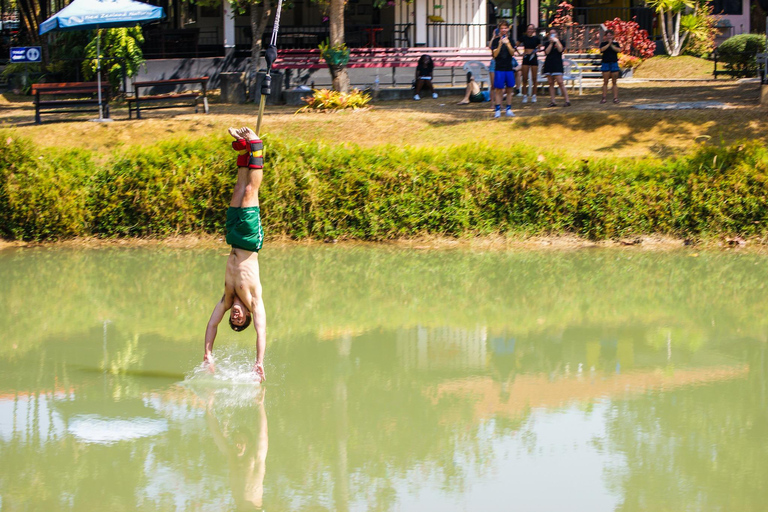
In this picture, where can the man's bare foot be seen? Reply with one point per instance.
(258, 369)
(246, 133)
(463, 103)
(233, 133)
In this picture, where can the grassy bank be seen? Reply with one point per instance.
(587, 129)
(333, 192)
(685, 67)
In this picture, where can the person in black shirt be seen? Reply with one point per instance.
(531, 44)
(553, 67)
(505, 73)
(610, 64)
(424, 69)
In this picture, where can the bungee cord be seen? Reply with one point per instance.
(271, 56)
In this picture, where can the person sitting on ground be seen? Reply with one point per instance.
(424, 69)
(553, 67)
(474, 92)
(504, 80)
(610, 64)
(531, 44)
(242, 287)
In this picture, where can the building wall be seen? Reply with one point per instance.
(740, 22)
(453, 31)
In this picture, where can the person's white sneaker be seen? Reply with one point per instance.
(533, 99)
(525, 99)
(510, 113)
(497, 113)
(434, 95)
(416, 97)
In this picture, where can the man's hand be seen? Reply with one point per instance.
(208, 363)
(258, 369)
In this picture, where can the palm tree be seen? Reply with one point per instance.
(671, 21)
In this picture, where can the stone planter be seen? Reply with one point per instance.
(627, 73)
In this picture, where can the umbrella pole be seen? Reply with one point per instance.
(98, 71)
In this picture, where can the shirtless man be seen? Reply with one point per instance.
(242, 287)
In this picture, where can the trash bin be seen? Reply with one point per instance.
(275, 97)
(232, 87)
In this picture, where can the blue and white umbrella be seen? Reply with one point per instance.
(96, 14)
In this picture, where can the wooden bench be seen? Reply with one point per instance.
(170, 100)
(70, 97)
(447, 58)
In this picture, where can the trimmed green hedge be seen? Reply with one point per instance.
(317, 191)
(739, 53)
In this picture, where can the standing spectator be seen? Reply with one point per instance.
(553, 67)
(492, 66)
(610, 64)
(424, 69)
(504, 78)
(531, 44)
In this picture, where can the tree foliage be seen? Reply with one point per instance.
(632, 39)
(120, 53)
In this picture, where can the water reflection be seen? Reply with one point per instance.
(432, 394)
(241, 435)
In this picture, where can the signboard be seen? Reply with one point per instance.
(26, 54)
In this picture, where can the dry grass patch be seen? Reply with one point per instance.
(586, 129)
(684, 66)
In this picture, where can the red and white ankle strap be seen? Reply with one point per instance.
(250, 153)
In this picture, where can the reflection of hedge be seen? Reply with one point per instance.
(317, 191)
(331, 289)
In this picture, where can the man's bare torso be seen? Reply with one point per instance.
(242, 276)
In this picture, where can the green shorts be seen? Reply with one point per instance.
(244, 228)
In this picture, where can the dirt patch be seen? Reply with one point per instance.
(485, 243)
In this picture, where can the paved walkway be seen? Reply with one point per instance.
(684, 105)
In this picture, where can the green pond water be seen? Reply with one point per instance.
(403, 380)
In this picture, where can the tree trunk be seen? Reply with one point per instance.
(260, 14)
(678, 45)
(336, 19)
(663, 20)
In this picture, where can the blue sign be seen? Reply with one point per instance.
(26, 54)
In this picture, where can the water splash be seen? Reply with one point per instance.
(232, 383)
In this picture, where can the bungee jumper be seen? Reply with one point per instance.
(242, 284)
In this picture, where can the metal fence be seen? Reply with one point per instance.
(598, 15)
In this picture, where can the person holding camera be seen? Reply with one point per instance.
(492, 65)
(553, 67)
(531, 44)
(610, 64)
(504, 78)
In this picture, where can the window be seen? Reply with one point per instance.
(727, 6)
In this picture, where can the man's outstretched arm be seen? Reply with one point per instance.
(213, 327)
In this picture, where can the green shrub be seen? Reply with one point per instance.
(738, 53)
(311, 190)
(328, 100)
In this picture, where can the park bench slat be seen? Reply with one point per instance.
(134, 103)
(64, 105)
